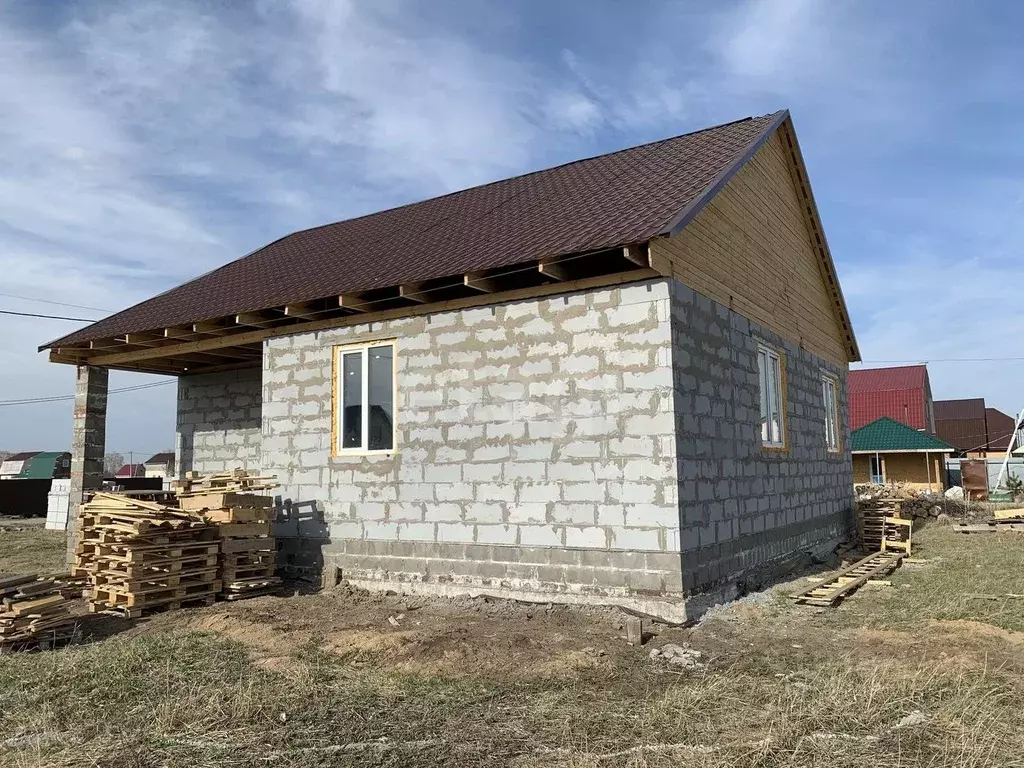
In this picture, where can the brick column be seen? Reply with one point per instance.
(88, 443)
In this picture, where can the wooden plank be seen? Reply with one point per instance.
(554, 270)
(220, 500)
(638, 254)
(353, 303)
(414, 292)
(478, 282)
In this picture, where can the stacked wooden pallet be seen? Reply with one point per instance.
(34, 613)
(882, 527)
(248, 553)
(142, 556)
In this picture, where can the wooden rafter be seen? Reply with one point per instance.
(554, 270)
(414, 292)
(479, 282)
(638, 254)
(261, 319)
(354, 303)
(253, 336)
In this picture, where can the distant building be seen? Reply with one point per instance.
(131, 470)
(11, 467)
(36, 465)
(903, 394)
(975, 431)
(999, 427)
(160, 465)
(886, 451)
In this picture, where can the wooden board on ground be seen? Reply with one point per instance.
(842, 584)
(990, 526)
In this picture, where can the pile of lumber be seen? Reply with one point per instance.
(248, 553)
(35, 612)
(140, 556)
(871, 516)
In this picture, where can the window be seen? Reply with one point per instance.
(365, 398)
(828, 391)
(877, 475)
(769, 365)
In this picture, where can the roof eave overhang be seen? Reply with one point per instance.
(235, 341)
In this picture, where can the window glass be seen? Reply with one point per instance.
(831, 413)
(352, 400)
(769, 366)
(380, 367)
(762, 365)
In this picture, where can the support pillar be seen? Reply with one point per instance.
(88, 443)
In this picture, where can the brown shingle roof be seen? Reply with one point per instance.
(607, 201)
(972, 408)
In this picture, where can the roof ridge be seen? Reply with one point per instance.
(525, 174)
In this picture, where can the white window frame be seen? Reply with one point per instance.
(830, 395)
(338, 415)
(772, 378)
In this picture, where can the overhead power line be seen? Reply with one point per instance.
(51, 301)
(945, 360)
(62, 398)
(48, 317)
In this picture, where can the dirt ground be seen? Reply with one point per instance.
(913, 674)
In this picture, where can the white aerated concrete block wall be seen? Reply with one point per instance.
(539, 424)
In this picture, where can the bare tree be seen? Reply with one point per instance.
(112, 462)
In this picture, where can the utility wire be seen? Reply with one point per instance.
(61, 398)
(50, 301)
(48, 317)
(943, 360)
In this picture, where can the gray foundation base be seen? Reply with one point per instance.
(668, 611)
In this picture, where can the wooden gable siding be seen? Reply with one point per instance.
(750, 249)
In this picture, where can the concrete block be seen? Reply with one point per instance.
(524, 470)
(454, 532)
(453, 491)
(495, 492)
(528, 512)
(475, 473)
(583, 491)
(378, 529)
(347, 530)
(418, 531)
(587, 537)
(496, 534)
(485, 512)
(578, 513)
(580, 449)
(635, 539)
(541, 536)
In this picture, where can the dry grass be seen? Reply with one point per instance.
(31, 549)
(784, 687)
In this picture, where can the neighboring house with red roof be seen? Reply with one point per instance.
(903, 394)
(131, 470)
(622, 379)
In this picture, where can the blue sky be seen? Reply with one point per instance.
(142, 143)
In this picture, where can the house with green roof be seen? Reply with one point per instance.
(886, 451)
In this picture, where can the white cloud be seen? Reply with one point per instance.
(147, 142)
